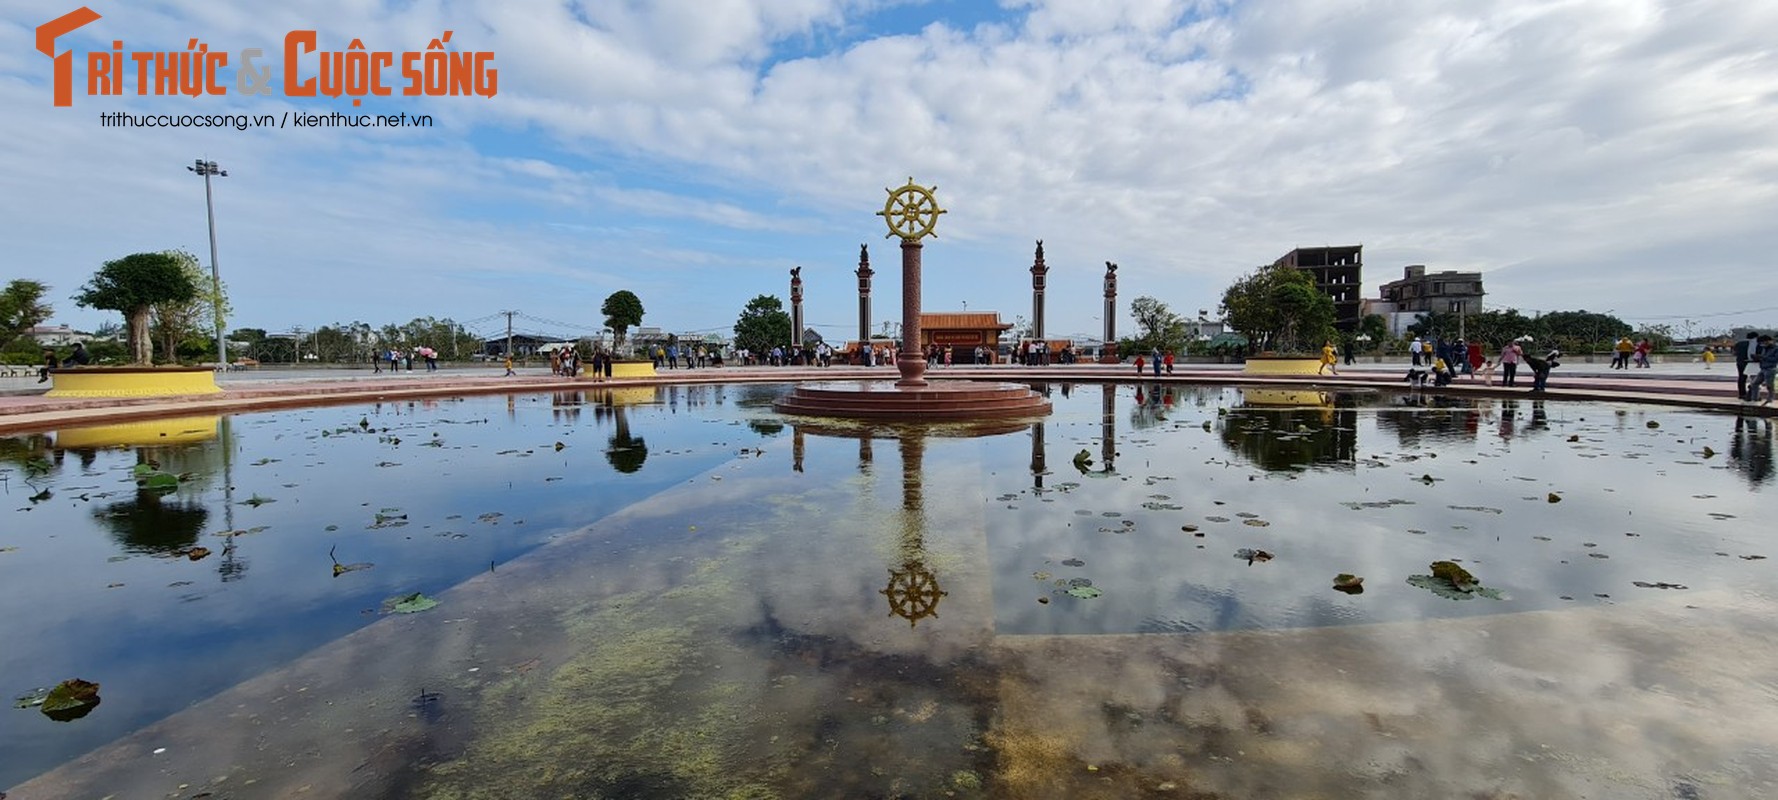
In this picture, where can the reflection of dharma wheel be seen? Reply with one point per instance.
(913, 593)
(911, 211)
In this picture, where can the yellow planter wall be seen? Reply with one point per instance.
(132, 382)
(624, 369)
(1281, 366)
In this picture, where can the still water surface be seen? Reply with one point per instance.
(692, 596)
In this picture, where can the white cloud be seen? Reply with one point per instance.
(1587, 144)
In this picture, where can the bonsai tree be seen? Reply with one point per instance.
(622, 310)
(134, 285)
(1278, 308)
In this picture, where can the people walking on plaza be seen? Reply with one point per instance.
(1642, 350)
(1510, 356)
(509, 372)
(1414, 349)
(1327, 359)
(1140, 363)
(1621, 353)
(1744, 353)
(1346, 352)
(1765, 360)
(1708, 356)
(1154, 353)
(1169, 359)
(394, 360)
(1476, 359)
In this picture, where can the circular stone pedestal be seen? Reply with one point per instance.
(939, 401)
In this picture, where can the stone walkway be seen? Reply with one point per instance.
(23, 406)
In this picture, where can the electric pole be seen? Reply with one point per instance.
(509, 332)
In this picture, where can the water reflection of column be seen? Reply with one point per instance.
(796, 450)
(864, 454)
(913, 591)
(1037, 456)
(1107, 424)
(913, 453)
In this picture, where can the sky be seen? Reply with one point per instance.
(1608, 155)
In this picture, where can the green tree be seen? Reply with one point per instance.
(623, 311)
(1582, 331)
(190, 324)
(763, 325)
(134, 285)
(1279, 309)
(1375, 328)
(21, 308)
(1159, 326)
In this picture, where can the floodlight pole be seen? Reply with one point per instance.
(207, 169)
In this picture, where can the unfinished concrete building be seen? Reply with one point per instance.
(1339, 272)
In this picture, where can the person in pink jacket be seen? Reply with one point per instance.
(1510, 356)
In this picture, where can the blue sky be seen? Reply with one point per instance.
(1599, 154)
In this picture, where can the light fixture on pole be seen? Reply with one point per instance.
(208, 169)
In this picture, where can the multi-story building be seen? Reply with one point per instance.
(1417, 293)
(1448, 291)
(1338, 271)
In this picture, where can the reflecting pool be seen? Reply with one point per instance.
(675, 592)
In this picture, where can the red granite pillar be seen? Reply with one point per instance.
(912, 360)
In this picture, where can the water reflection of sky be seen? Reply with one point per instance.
(96, 588)
(1374, 485)
(172, 631)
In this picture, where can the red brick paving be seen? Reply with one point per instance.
(23, 412)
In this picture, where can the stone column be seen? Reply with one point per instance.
(1038, 271)
(796, 312)
(1110, 315)
(864, 274)
(911, 362)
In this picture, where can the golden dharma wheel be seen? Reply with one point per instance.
(911, 211)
